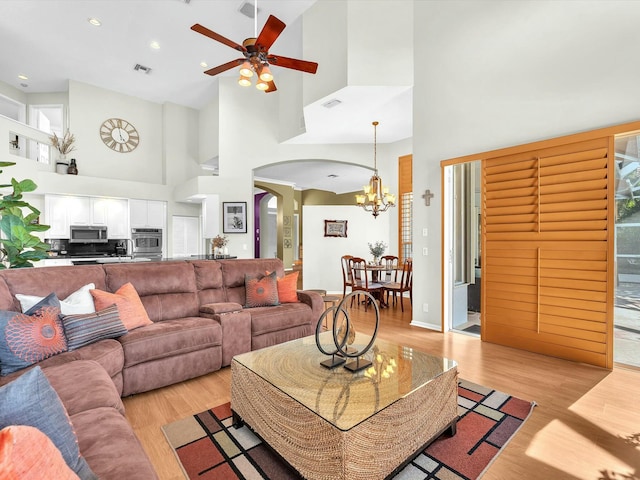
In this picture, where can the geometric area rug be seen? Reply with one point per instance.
(208, 447)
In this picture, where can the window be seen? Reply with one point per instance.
(405, 207)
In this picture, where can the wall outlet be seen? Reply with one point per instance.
(244, 246)
(425, 307)
(425, 251)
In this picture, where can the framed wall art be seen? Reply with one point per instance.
(335, 228)
(234, 217)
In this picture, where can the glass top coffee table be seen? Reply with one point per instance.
(335, 424)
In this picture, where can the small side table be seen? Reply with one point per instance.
(327, 299)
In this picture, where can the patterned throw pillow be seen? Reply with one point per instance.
(30, 337)
(132, 312)
(28, 454)
(261, 292)
(83, 330)
(31, 400)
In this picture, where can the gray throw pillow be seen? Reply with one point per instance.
(31, 400)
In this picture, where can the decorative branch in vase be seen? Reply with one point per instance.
(377, 250)
(65, 144)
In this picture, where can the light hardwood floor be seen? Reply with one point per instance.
(586, 425)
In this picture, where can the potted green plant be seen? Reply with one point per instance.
(19, 246)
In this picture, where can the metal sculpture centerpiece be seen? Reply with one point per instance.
(344, 335)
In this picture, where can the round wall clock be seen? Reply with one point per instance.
(119, 135)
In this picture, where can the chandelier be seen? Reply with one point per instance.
(376, 197)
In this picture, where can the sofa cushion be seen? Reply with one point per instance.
(83, 376)
(132, 312)
(110, 446)
(108, 353)
(82, 330)
(287, 315)
(261, 291)
(28, 454)
(27, 338)
(233, 272)
(209, 281)
(30, 400)
(169, 338)
(78, 302)
(42, 281)
(167, 289)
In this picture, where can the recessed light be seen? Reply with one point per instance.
(94, 21)
(155, 45)
(204, 64)
(23, 77)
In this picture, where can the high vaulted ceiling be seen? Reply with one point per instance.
(52, 41)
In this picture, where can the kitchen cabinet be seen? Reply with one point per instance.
(62, 211)
(56, 216)
(147, 213)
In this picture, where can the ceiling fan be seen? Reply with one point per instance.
(256, 55)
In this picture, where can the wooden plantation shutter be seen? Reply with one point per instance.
(405, 207)
(545, 269)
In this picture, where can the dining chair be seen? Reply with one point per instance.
(361, 282)
(390, 273)
(404, 285)
(347, 279)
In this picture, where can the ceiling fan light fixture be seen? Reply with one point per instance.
(262, 85)
(265, 73)
(246, 70)
(244, 81)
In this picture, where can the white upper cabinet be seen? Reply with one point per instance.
(62, 211)
(148, 213)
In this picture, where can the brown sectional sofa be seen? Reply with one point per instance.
(199, 324)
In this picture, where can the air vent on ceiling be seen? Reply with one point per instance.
(248, 9)
(331, 103)
(142, 68)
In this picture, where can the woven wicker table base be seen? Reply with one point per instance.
(373, 449)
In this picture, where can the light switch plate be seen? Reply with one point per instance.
(425, 251)
(425, 232)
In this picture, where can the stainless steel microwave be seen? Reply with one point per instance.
(87, 234)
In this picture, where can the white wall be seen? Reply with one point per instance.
(498, 73)
(321, 255)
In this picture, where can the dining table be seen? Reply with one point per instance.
(374, 270)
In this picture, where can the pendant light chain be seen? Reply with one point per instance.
(255, 18)
(375, 147)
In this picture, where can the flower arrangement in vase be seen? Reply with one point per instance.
(219, 243)
(377, 249)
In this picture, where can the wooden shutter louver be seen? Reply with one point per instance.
(545, 250)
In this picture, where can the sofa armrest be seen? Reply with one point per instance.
(220, 308)
(314, 300)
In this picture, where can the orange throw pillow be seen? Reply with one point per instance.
(287, 288)
(132, 312)
(28, 454)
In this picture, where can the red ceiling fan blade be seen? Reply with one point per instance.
(270, 32)
(272, 87)
(216, 36)
(294, 63)
(224, 67)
